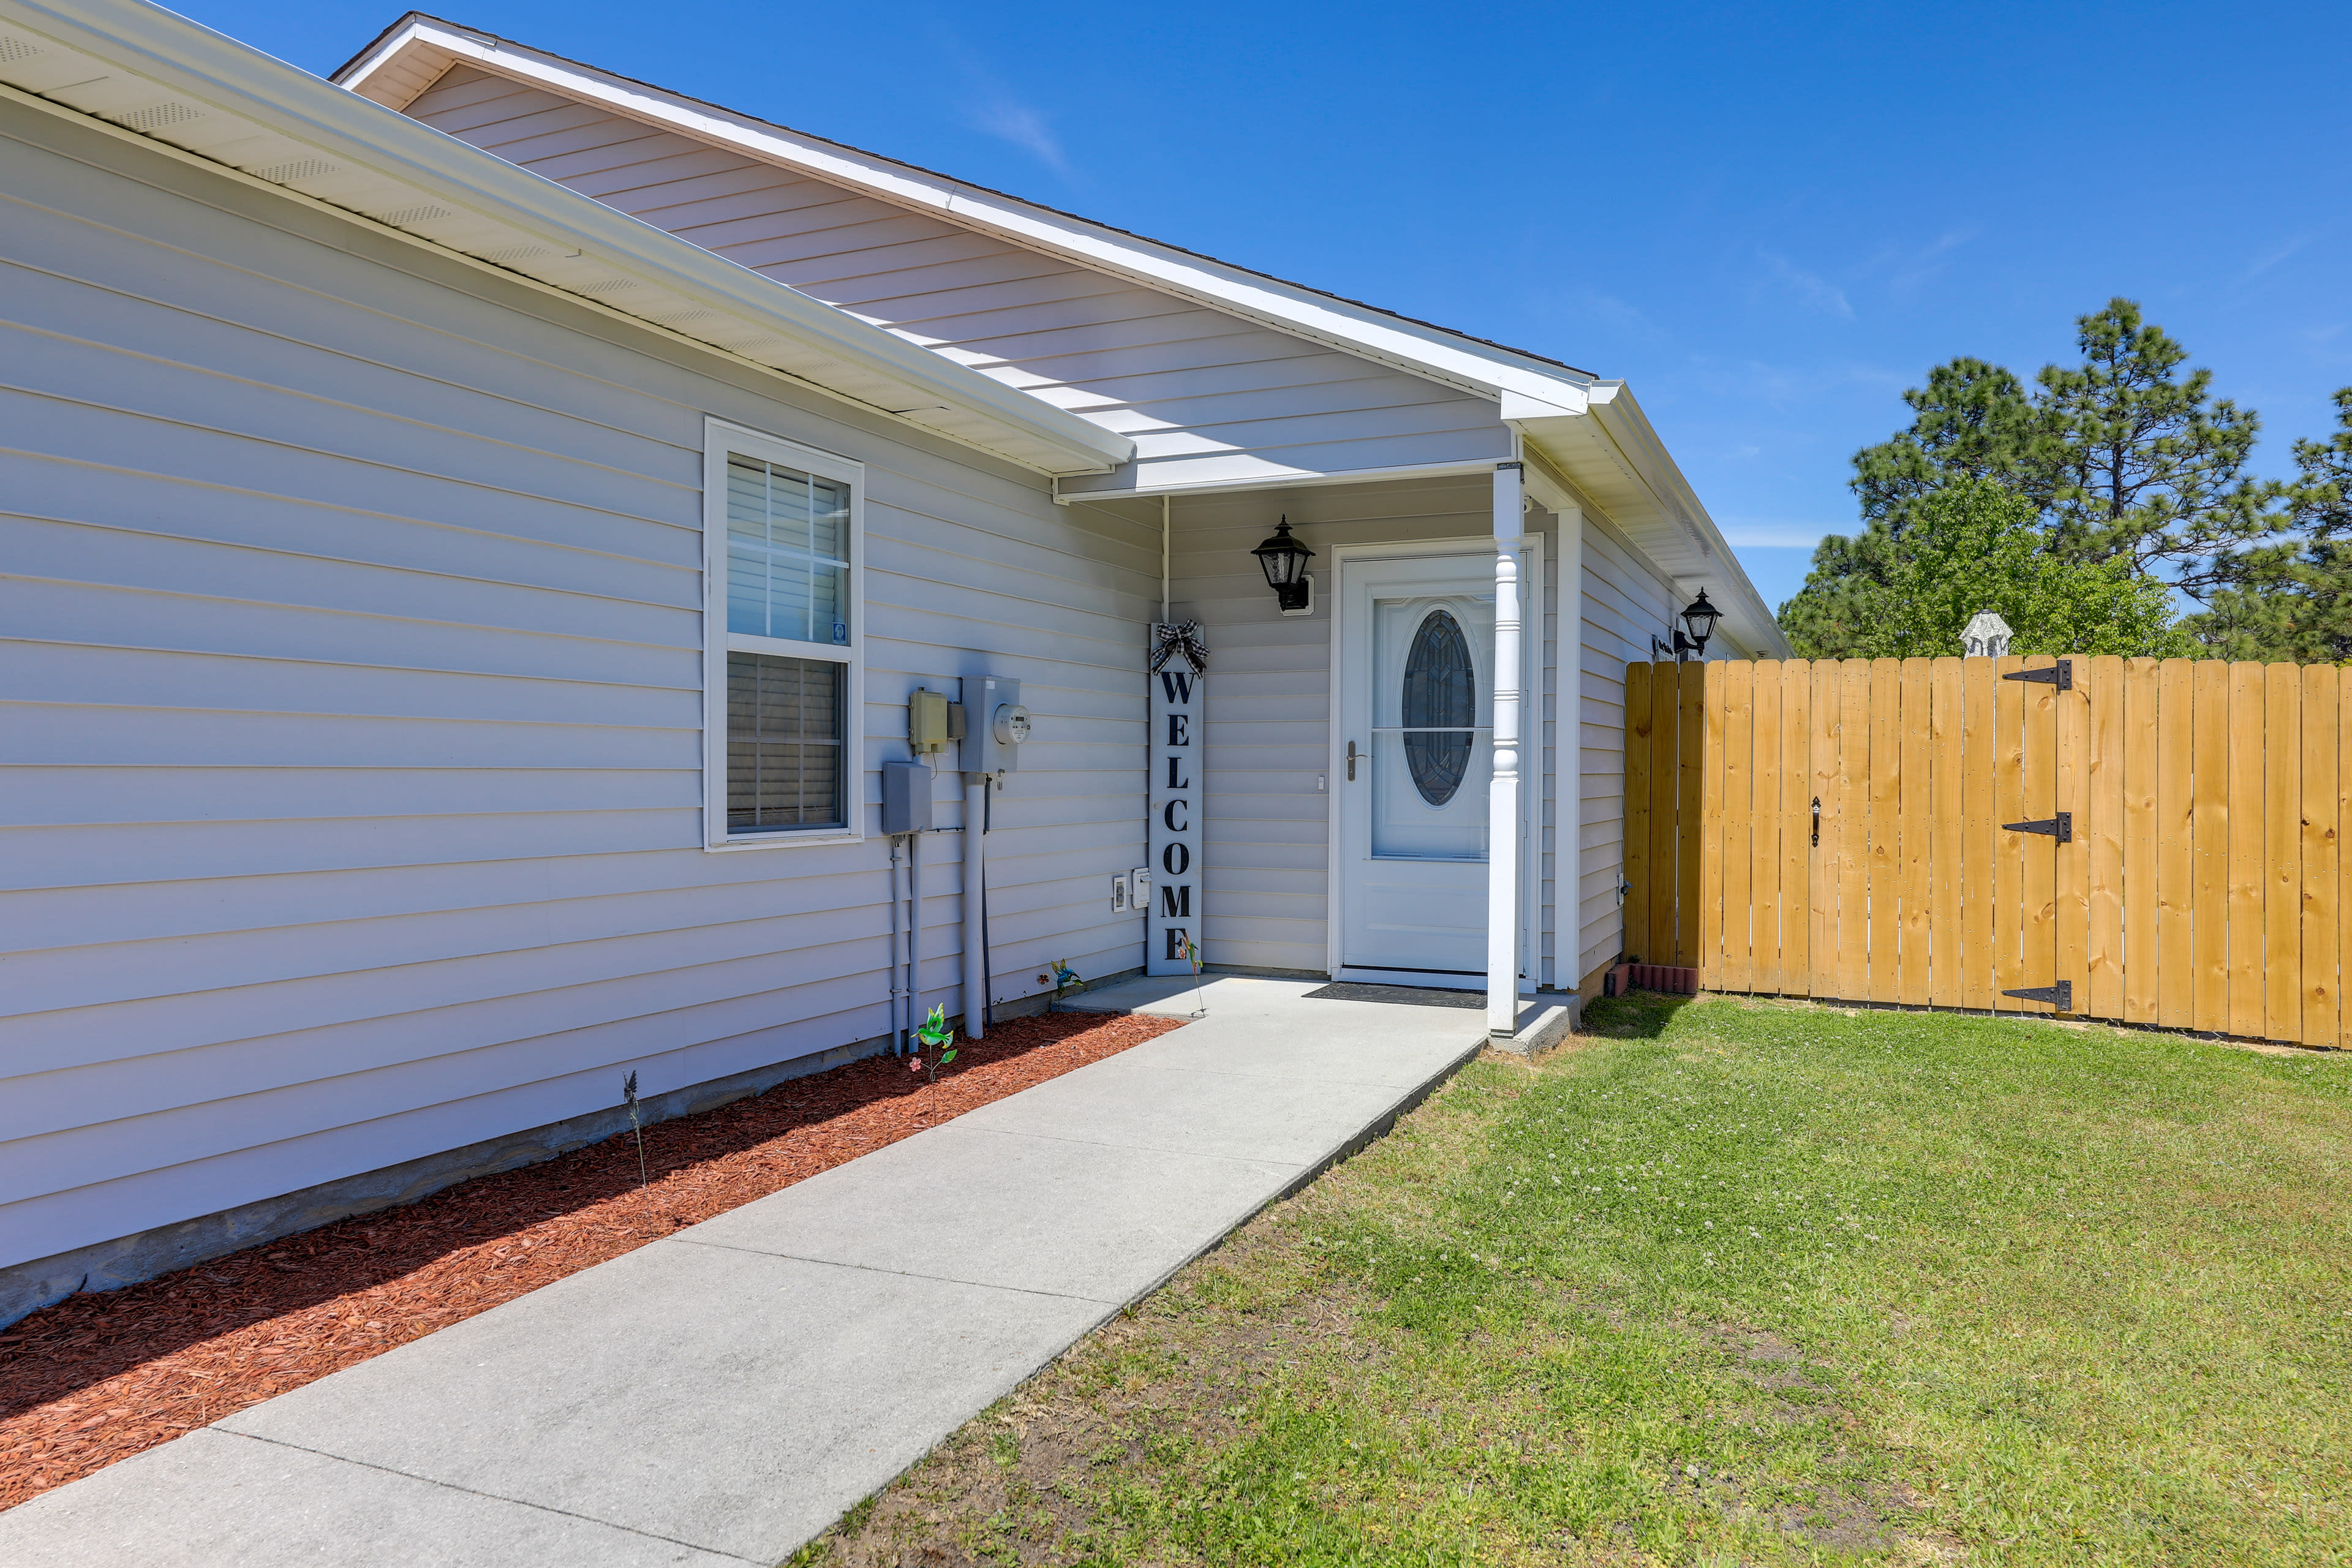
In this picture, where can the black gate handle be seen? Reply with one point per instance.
(1817, 822)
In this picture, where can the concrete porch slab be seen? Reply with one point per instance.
(207, 1496)
(987, 1207)
(1144, 1105)
(732, 1400)
(1180, 997)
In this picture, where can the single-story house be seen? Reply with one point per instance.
(515, 577)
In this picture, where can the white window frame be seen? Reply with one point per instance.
(720, 440)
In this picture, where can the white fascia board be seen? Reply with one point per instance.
(163, 53)
(1430, 351)
(1651, 501)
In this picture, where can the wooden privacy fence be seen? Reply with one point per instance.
(2155, 841)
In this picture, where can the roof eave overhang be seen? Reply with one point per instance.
(142, 69)
(1611, 453)
(404, 60)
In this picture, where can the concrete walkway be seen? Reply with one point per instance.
(721, 1396)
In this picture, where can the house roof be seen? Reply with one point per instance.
(1592, 430)
(360, 74)
(146, 70)
(413, 51)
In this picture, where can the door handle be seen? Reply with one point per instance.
(1817, 822)
(1351, 762)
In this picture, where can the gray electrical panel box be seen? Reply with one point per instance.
(994, 724)
(906, 797)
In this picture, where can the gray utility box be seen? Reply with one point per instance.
(994, 724)
(906, 797)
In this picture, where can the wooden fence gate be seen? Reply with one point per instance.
(2154, 841)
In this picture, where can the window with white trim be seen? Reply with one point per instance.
(782, 660)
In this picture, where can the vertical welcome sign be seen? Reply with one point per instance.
(1180, 662)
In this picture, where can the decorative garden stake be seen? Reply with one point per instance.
(1193, 954)
(629, 1093)
(1066, 979)
(935, 1034)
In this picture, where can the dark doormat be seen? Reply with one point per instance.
(1405, 996)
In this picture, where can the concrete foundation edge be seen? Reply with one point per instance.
(1546, 1020)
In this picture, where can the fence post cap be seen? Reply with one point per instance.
(1985, 637)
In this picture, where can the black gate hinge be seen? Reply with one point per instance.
(2061, 827)
(2061, 996)
(2060, 675)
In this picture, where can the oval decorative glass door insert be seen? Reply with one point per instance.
(1439, 706)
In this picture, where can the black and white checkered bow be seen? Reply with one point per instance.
(1181, 637)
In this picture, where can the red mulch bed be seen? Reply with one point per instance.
(100, 1377)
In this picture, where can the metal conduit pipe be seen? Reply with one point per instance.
(975, 891)
(897, 1039)
(914, 935)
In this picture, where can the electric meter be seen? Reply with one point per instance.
(999, 725)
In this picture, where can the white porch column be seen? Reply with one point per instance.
(1503, 799)
(1568, 758)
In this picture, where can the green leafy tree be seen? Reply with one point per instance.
(1976, 544)
(1972, 420)
(1831, 615)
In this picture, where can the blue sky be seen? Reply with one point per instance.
(1769, 221)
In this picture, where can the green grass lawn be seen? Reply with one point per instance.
(1732, 1282)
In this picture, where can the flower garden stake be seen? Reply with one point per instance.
(1192, 953)
(936, 1034)
(629, 1093)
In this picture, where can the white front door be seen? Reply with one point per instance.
(1416, 700)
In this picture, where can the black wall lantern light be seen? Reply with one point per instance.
(1700, 618)
(1284, 560)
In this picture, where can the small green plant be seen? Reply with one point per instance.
(935, 1035)
(1193, 954)
(629, 1094)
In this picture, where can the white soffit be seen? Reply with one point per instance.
(1613, 454)
(404, 61)
(147, 70)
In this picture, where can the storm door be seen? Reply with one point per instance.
(1416, 678)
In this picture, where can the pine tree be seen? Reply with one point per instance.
(2140, 461)
(1975, 420)
(2124, 457)
(2292, 599)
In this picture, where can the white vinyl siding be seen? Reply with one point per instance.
(1626, 601)
(1207, 396)
(352, 662)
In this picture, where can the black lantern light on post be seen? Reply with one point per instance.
(1700, 618)
(1284, 560)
